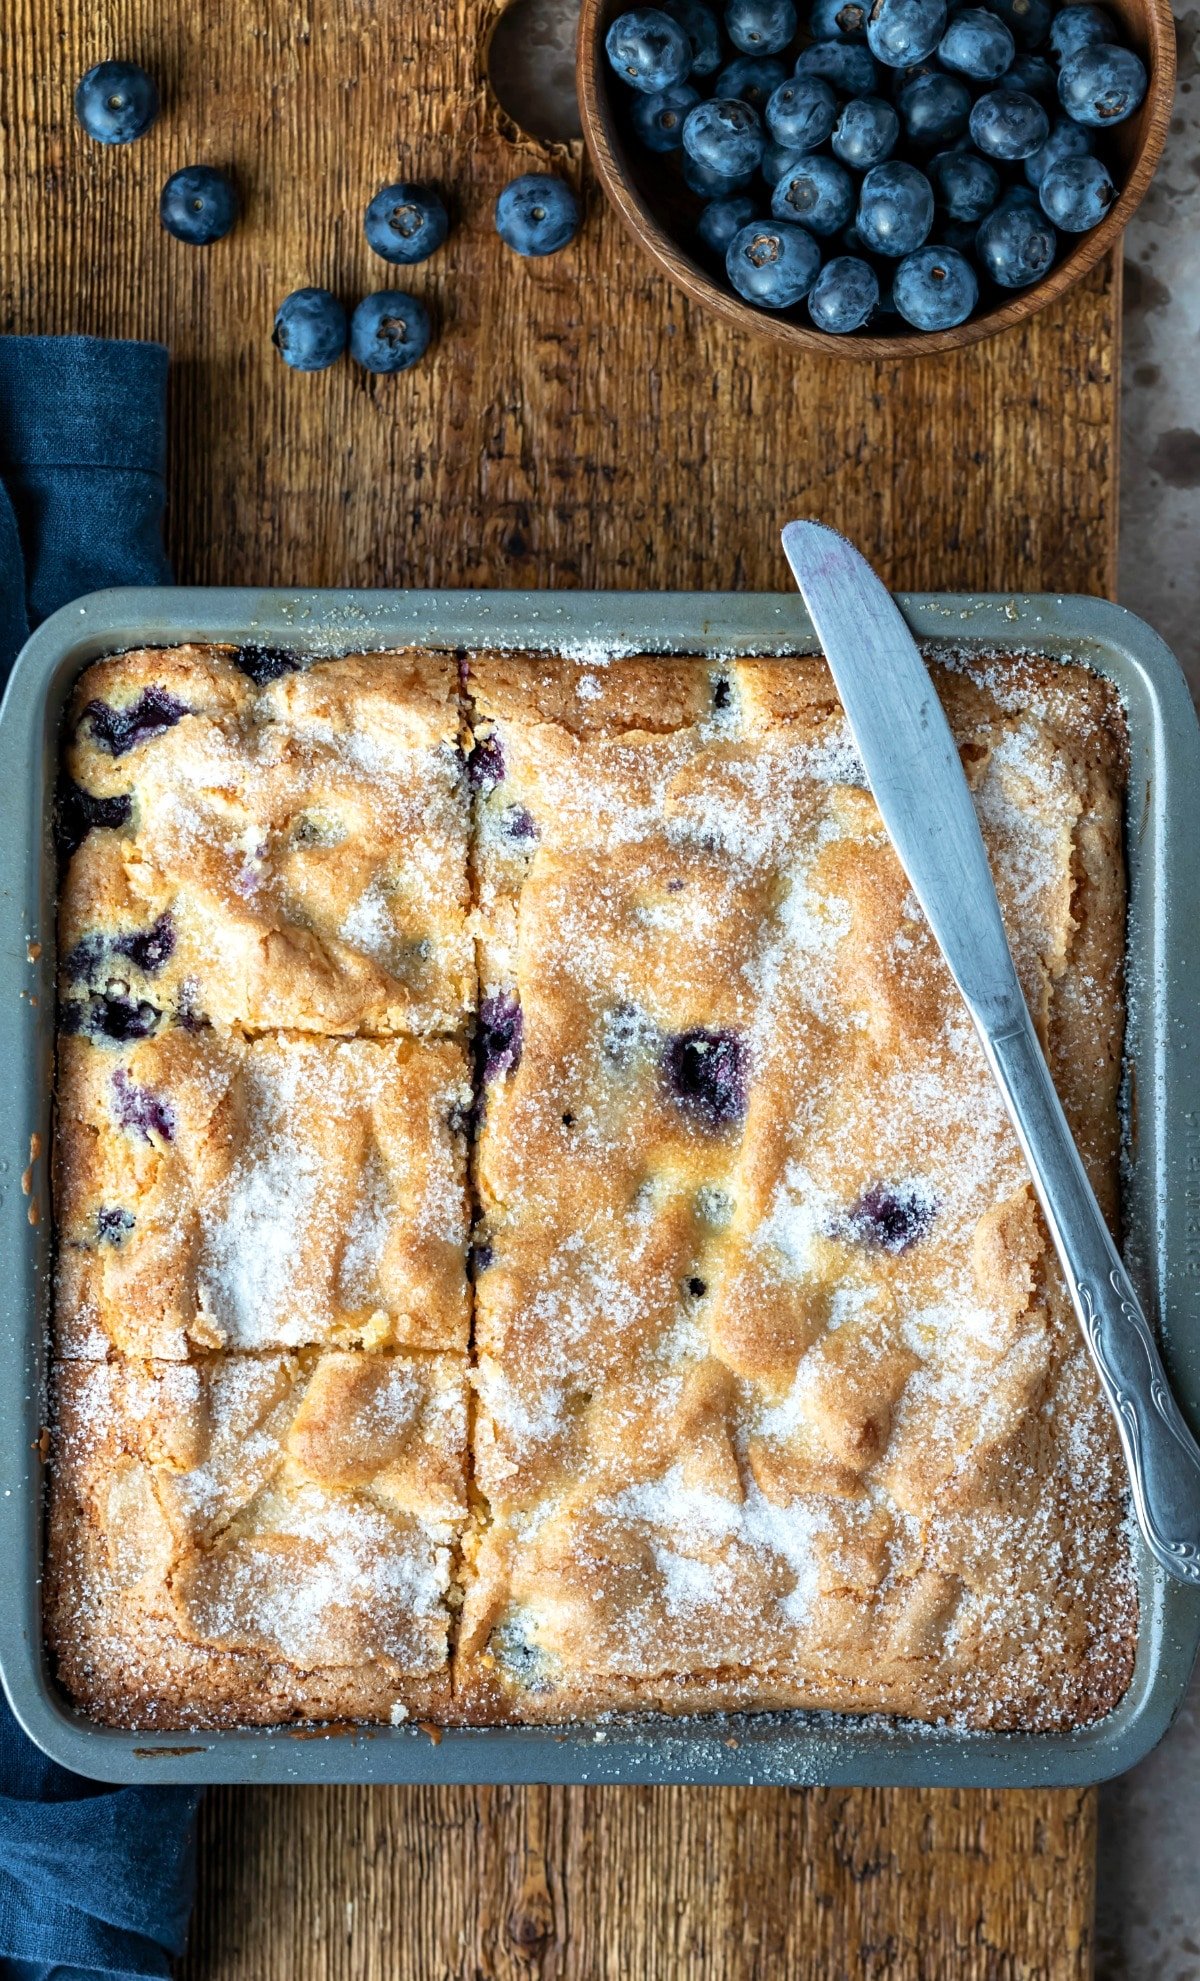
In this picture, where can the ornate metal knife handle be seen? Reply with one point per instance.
(1162, 1455)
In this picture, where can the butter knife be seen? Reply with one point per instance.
(916, 777)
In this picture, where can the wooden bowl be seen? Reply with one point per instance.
(658, 215)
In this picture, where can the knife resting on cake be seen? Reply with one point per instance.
(918, 783)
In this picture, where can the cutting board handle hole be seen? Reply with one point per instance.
(530, 61)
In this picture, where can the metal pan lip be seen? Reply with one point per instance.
(1162, 1182)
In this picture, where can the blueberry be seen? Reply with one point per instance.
(405, 223)
(389, 331)
(310, 330)
(934, 109)
(846, 66)
(1066, 140)
(965, 185)
(900, 31)
(1008, 124)
(1034, 75)
(1076, 27)
(520, 825)
(1101, 86)
(1076, 193)
(725, 135)
(819, 195)
(537, 214)
(895, 208)
(116, 102)
(140, 1108)
(658, 120)
(264, 664)
(648, 49)
(844, 296)
(198, 205)
(720, 221)
(148, 949)
(1016, 243)
(713, 185)
(977, 44)
(707, 1073)
(892, 1219)
(865, 133)
(801, 113)
(958, 234)
(485, 765)
(499, 1036)
(1028, 21)
(112, 1016)
(113, 1225)
(752, 79)
(481, 1258)
(760, 27)
(838, 20)
(772, 264)
(120, 729)
(776, 160)
(935, 288)
(702, 29)
(80, 812)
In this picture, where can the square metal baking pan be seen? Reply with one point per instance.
(1161, 1198)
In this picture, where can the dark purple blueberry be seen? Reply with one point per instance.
(263, 664)
(120, 729)
(482, 1256)
(80, 812)
(112, 1226)
(140, 1108)
(148, 949)
(121, 1019)
(520, 824)
(892, 1219)
(498, 1036)
(722, 692)
(85, 959)
(707, 1074)
(485, 765)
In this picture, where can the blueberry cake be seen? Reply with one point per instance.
(756, 1386)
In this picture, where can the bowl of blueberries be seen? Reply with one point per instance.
(887, 177)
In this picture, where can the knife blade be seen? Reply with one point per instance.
(917, 779)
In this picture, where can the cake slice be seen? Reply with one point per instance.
(218, 1192)
(265, 845)
(780, 1398)
(255, 1539)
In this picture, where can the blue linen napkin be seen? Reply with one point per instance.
(93, 1881)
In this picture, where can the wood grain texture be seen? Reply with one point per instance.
(578, 422)
(643, 1884)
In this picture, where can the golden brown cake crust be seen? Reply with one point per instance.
(775, 1395)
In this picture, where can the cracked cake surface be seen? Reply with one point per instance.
(758, 1386)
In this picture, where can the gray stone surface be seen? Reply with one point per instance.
(1148, 1914)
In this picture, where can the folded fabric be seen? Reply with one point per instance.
(93, 1881)
(82, 466)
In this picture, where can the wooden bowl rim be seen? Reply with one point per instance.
(600, 134)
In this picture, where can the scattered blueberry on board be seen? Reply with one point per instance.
(904, 161)
(310, 330)
(537, 214)
(389, 331)
(404, 223)
(116, 102)
(198, 205)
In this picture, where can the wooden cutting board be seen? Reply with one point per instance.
(578, 423)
